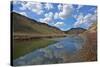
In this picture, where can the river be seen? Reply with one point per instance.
(54, 53)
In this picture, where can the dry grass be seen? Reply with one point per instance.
(89, 50)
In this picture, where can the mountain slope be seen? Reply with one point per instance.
(75, 31)
(93, 27)
(89, 50)
(22, 24)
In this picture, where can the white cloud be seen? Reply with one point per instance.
(80, 19)
(41, 20)
(23, 13)
(87, 17)
(95, 11)
(79, 6)
(16, 2)
(35, 7)
(87, 20)
(48, 18)
(22, 3)
(50, 14)
(60, 6)
(66, 11)
(75, 16)
(56, 15)
(59, 24)
(23, 7)
(94, 17)
(48, 6)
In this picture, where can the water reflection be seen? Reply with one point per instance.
(55, 53)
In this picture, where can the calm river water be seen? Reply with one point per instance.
(54, 53)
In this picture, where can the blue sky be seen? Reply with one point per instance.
(60, 15)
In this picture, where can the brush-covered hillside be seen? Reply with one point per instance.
(25, 25)
(75, 31)
(89, 50)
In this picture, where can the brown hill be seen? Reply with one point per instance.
(75, 31)
(22, 24)
(89, 50)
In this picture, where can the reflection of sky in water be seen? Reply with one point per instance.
(54, 53)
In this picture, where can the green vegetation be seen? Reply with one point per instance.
(22, 24)
(22, 47)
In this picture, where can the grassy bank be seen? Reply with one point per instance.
(22, 47)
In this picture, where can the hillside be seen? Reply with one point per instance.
(30, 35)
(93, 27)
(89, 50)
(75, 31)
(25, 25)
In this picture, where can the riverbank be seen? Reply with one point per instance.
(22, 47)
(21, 36)
(57, 52)
(88, 51)
(73, 48)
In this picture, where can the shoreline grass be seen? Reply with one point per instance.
(22, 47)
